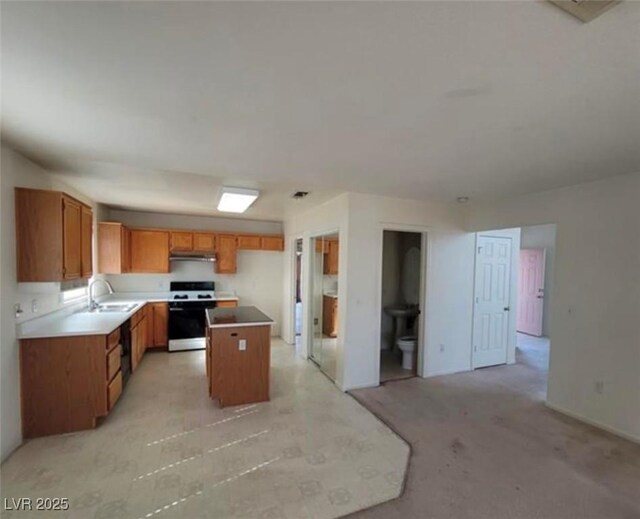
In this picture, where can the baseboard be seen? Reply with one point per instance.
(594, 423)
(359, 386)
(445, 372)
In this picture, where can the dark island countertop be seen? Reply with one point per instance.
(238, 316)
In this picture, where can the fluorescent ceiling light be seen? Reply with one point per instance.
(236, 199)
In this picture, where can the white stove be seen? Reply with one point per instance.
(187, 314)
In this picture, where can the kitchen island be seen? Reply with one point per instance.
(238, 355)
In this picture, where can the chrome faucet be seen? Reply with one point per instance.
(92, 303)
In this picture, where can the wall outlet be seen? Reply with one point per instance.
(242, 344)
(34, 306)
(599, 387)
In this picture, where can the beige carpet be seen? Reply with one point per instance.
(168, 451)
(486, 447)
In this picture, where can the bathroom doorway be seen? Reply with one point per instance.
(401, 297)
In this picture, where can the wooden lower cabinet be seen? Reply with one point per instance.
(330, 316)
(226, 304)
(67, 383)
(160, 314)
(138, 337)
(238, 376)
(114, 390)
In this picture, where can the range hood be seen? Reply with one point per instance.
(206, 258)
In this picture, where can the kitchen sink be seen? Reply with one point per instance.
(112, 308)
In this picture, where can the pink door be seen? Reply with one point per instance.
(531, 291)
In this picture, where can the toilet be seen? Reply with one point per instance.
(407, 345)
(411, 293)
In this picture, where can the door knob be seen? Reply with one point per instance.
(506, 308)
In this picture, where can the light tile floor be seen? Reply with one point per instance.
(391, 366)
(168, 451)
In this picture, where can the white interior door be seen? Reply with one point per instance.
(491, 312)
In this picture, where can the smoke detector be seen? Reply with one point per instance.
(299, 195)
(585, 10)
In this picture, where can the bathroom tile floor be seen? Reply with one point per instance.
(391, 367)
(169, 451)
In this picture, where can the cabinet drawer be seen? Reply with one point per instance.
(113, 339)
(113, 361)
(114, 389)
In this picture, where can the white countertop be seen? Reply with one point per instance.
(79, 323)
(63, 324)
(331, 294)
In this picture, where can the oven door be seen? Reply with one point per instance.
(187, 326)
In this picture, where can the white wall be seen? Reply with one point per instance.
(449, 279)
(449, 285)
(543, 237)
(17, 171)
(259, 276)
(328, 218)
(595, 305)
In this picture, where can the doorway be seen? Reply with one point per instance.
(535, 292)
(325, 266)
(297, 294)
(401, 296)
(513, 288)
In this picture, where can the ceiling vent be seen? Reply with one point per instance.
(586, 10)
(299, 195)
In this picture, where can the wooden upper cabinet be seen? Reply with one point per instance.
(72, 238)
(204, 242)
(249, 242)
(322, 246)
(332, 257)
(49, 236)
(181, 241)
(272, 243)
(149, 251)
(226, 252)
(114, 248)
(87, 242)
(260, 242)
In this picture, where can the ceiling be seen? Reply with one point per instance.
(154, 105)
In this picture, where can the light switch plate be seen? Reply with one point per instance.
(242, 344)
